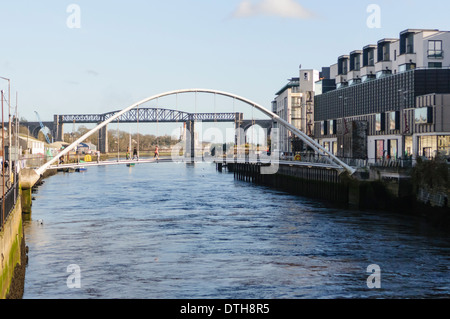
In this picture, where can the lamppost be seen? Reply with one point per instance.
(9, 125)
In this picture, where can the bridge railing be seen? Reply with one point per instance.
(8, 202)
(33, 161)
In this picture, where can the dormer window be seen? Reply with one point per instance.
(369, 57)
(355, 62)
(407, 43)
(343, 65)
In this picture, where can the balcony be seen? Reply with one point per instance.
(383, 66)
(407, 58)
(367, 70)
(353, 75)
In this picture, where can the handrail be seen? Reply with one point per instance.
(10, 201)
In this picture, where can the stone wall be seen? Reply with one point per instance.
(12, 256)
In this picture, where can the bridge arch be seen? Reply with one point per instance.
(308, 140)
(34, 131)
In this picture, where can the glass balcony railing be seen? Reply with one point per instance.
(436, 54)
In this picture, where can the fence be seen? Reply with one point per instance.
(33, 161)
(8, 202)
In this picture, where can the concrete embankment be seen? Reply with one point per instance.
(12, 256)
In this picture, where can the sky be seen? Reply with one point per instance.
(106, 55)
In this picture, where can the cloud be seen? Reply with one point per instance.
(92, 72)
(279, 8)
(71, 82)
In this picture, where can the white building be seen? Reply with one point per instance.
(295, 104)
(414, 49)
(31, 145)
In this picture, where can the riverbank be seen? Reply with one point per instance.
(13, 255)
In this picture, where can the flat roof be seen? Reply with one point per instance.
(417, 30)
(292, 83)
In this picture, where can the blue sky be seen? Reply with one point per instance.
(128, 50)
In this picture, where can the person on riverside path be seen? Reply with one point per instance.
(135, 154)
(156, 152)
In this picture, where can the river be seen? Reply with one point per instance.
(177, 231)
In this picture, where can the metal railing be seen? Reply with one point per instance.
(8, 202)
(309, 157)
(33, 161)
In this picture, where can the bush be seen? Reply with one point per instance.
(431, 174)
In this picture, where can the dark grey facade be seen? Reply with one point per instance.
(348, 119)
(393, 93)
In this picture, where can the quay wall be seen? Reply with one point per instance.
(320, 183)
(12, 255)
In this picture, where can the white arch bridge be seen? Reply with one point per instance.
(31, 176)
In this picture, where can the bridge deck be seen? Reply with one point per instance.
(188, 160)
(107, 163)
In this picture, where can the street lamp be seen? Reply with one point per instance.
(9, 125)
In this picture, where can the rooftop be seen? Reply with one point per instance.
(294, 82)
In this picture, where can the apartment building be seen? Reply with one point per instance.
(295, 104)
(391, 99)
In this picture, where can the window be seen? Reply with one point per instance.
(435, 65)
(333, 127)
(357, 62)
(343, 66)
(383, 73)
(324, 128)
(380, 120)
(435, 49)
(394, 120)
(423, 115)
(354, 81)
(408, 146)
(379, 149)
(406, 67)
(444, 145)
(427, 146)
(368, 77)
(410, 43)
(393, 149)
(371, 55)
(386, 55)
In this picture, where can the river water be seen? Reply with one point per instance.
(176, 231)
